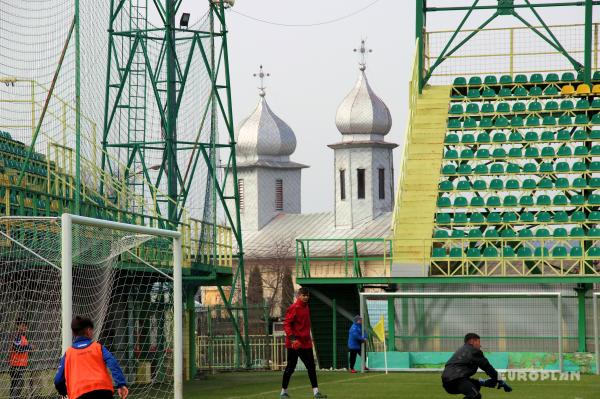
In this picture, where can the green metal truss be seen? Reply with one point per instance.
(167, 95)
(504, 7)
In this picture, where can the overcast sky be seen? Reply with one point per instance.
(313, 68)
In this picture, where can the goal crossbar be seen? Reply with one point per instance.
(67, 222)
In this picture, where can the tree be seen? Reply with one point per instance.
(287, 290)
(256, 302)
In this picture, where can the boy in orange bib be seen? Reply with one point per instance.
(83, 370)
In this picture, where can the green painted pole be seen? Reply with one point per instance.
(77, 112)
(191, 308)
(334, 331)
(419, 34)
(587, 55)
(581, 290)
(171, 103)
(391, 346)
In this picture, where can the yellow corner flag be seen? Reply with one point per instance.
(379, 329)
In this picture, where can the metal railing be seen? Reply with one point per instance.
(225, 352)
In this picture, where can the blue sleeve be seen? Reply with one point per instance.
(59, 379)
(356, 333)
(115, 369)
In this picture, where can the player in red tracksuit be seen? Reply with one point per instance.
(299, 343)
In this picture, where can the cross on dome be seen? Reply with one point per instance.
(261, 76)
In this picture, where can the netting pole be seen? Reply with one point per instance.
(595, 297)
(66, 279)
(560, 333)
(178, 323)
(362, 346)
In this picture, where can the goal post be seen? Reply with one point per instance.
(424, 328)
(68, 224)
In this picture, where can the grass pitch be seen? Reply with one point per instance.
(343, 385)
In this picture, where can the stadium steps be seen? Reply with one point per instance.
(416, 200)
(321, 313)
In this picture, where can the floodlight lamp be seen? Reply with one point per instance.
(185, 20)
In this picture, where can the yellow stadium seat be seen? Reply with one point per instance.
(596, 89)
(583, 89)
(567, 90)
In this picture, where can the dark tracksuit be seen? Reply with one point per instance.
(457, 374)
(297, 327)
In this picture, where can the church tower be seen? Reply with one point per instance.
(363, 161)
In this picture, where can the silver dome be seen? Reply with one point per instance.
(362, 112)
(263, 135)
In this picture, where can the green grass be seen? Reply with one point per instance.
(338, 385)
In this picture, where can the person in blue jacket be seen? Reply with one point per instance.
(355, 340)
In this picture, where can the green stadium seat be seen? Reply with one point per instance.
(561, 200)
(520, 92)
(535, 91)
(443, 218)
(497, 169)
(481, 169)
(518, 107)
(460, 218)
(568, 77)
(454, 124)
(446, 185)
(581, 150)
(467, 153)
(533, 121)
(560, 232)
(494, 217)
(535, 106)
(582, 119)
(566, 105)
(510, 217)
(551, 91)
(477, 218)
(547, 135)
(503, 107)
(508, 252)
(548, 152)
(486, 122)
(595, 119)
(475, 233)
(508, 233)
(458, 234)
(483, 153)
(499, 153)
(473, 93)
(468, 138)
(580, 182)
(473, 253)
(520, 79)
(460, 81)
(456, 252)
(504, 92)
(515, 137)
(549, 121)
(542, 232)
(451, 138)
(456, 109)
(595, 166)
(475, 81)
(451, 154)
(543, 217)
(594, 199)
(529, 184)
(536, 78)
(515, 152)
(441, 234)
(543, 200)
(490, 252)
(532, 152)
(530, 167)
(525, 233)
(510, 200)
(552, 77)
(595, 134)
(545, 183)
(488, 93)
(438, 253)
(582, 104)
(490, 80)
(465, 169)
(470, 123)
(526, 200)
(526, 217)
(564, 135)
(577, 199)
(595, 150)
(595, 182)
(594, 252)
(483, 137)
(472, 108)
(477, 202)
(541, 252)
(499, 137)
(492, 233)
(595, 104)
(531, 136)
(507, 80)
(487, 108)
(596, 75)
(480, 185)
(512, 184)
(578, 217)
(516, 121)
(579, 167)
(463, 185)
(576, 252)
(561, 182)
(594, 216)
(500, 121)
(513, 168)
(493, 201)
(444, 202)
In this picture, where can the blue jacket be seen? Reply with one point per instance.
(355, 337)
(109, 359)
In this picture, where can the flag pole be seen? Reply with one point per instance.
(385, 355)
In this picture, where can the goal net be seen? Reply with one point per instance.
(519, 330)
(123, 277)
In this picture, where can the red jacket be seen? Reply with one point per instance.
(297, 324)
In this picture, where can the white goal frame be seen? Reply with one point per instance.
(381, 295)
(67, 221)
